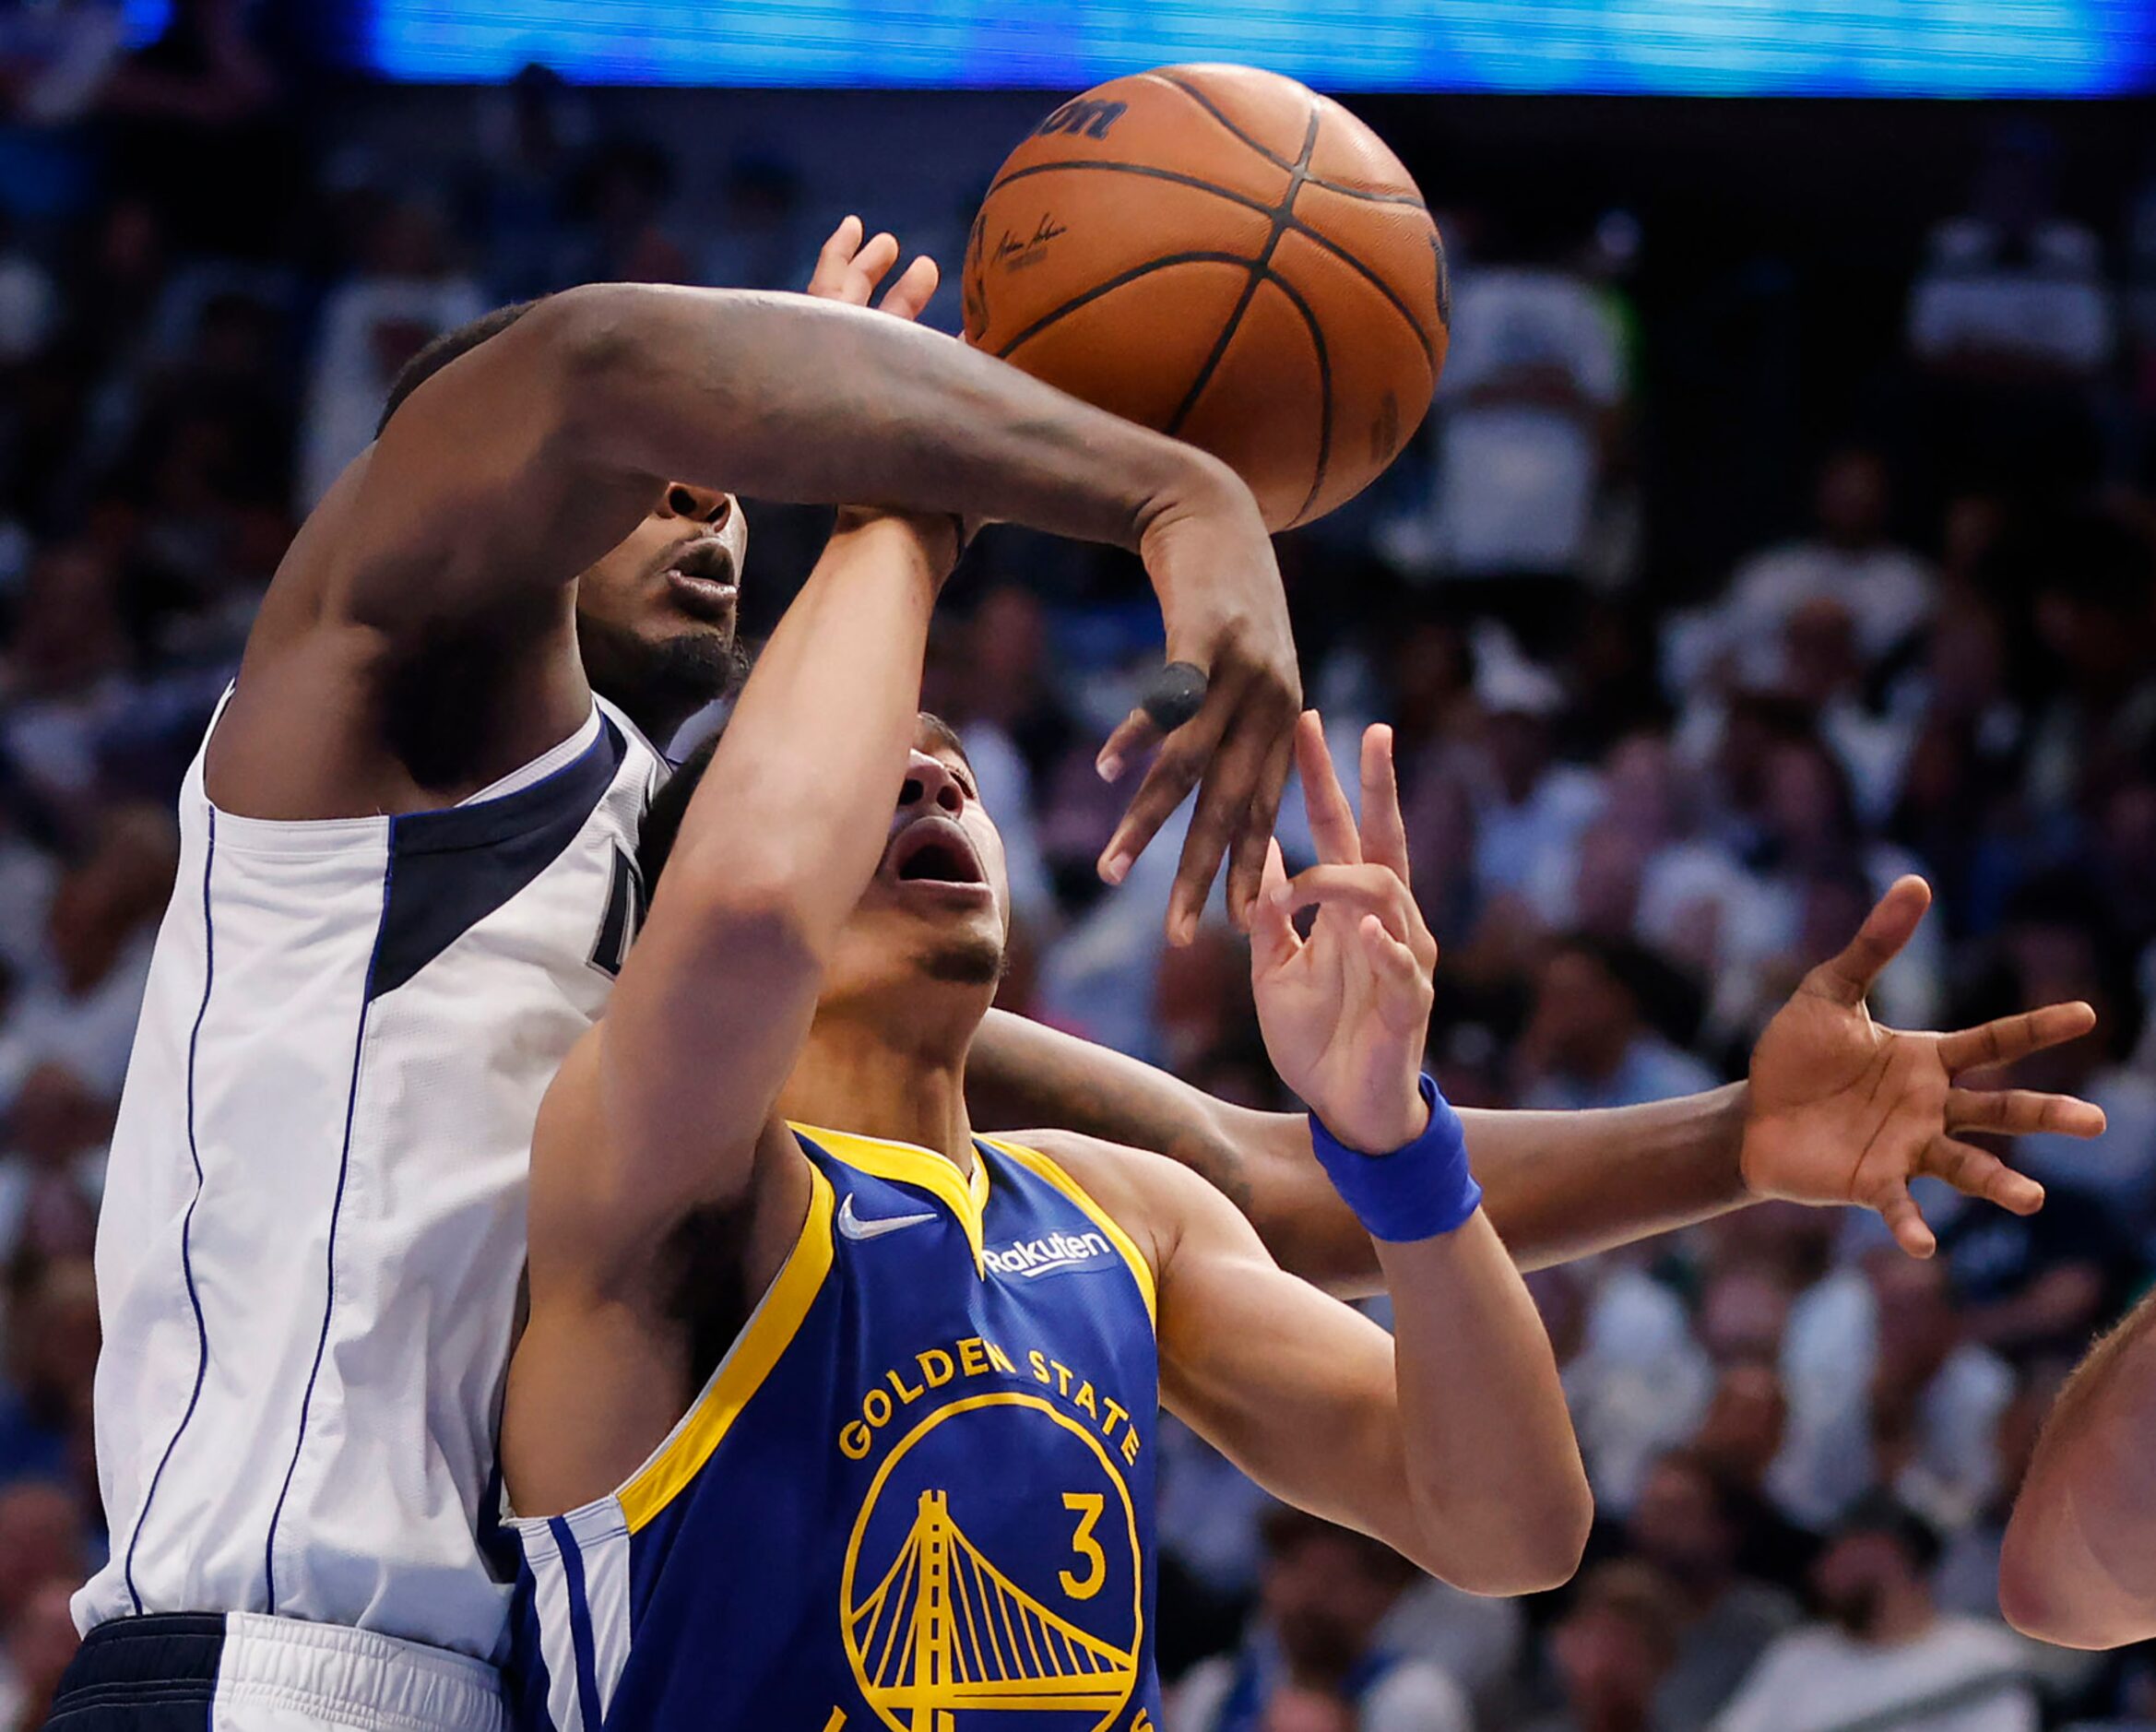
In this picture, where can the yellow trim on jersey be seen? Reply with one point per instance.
(965, 1194)
(749, 1360)
(1043, 1168)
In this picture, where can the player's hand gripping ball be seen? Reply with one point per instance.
(1223, 254)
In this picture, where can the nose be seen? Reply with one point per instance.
(929, 782)
(701, 504)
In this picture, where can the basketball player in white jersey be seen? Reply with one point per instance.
(404, 885)
(406, 881)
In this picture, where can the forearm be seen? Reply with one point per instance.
(786, 398)
(2079, 1564)
(796, 803)
(1556, 1185)
(1496, 1480)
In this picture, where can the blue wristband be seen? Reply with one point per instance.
(1417, 1191)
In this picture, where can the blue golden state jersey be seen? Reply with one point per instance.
(916, 1495)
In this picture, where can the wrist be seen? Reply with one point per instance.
(1197, 487)
(1418, 1190)
(1376, 1134)
(933, 539)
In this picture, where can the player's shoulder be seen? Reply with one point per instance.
(1155, 1199)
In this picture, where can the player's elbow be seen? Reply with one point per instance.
(748, 906)
(2050, 1590)
(1526, 1541)
(598, 348)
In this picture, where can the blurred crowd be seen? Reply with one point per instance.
(1640, 810)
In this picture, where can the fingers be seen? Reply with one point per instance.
(1384, 831)
(1847, 978)
(1233, 772)
(1184, 755)
(1978, 1173)
(2021, 1112)
(909, 296)
(1255, 841)
(1903, 1218)
(1175, 695)
(1272, 934)
(833, 256)
(1333, 826)
(1402, 979)
(1358, 889)
(848, 271)
(2011, 1038)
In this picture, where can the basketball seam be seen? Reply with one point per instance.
(1324, 391)
(1120, 281)
(1278, 162)
(1296, 225)
(1261, 267)
(1207, 103)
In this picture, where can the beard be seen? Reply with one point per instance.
(965, 959)
(661, 682)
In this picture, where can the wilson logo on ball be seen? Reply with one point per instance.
(1082, 115)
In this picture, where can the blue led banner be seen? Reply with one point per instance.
(1726, 47)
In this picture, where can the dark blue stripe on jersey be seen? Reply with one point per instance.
(344, 1167)
(526, 1678)
(153, 1673)
(457, 866)
(187, 1220)
(579, 1623)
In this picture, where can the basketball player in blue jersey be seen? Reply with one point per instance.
(915, 1485)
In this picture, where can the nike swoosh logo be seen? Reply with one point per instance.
(853, 1227)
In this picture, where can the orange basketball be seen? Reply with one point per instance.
(1226, 255)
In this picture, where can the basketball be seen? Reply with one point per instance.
(1223, 254)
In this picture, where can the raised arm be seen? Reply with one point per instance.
(673, 1089)
(1451, 1441)
(521, 462)
(1825, 1079)
(2079, 1566)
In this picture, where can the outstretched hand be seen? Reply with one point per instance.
(1345, 1012)
(1844, 1111)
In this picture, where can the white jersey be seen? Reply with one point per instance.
(314, 1227)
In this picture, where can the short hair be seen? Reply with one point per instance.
(440, 351)
(662, 823)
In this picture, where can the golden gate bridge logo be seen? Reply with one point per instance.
(945, 1631)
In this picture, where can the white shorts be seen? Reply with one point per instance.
(246, 1672)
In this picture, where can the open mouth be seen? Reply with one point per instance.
(935, 851)
(701, 576)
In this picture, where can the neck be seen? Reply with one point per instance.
(882, 1076)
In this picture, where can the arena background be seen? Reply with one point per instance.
(1788, 520)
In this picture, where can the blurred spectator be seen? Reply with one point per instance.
(51, 1166)
(1688, 1526)
(2012, 290)
(52, 1342)
(99, 932)
(1612, 1650)
(622, 193)
(1738, 1441)
(1882, 589)
(1589, 1042)
(40, 1642)
(405, 292)
(764, 239)
(42, 1560)
(1887, 1388)
(1534, 390)
(1313, 1656)
(1884, 1656)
